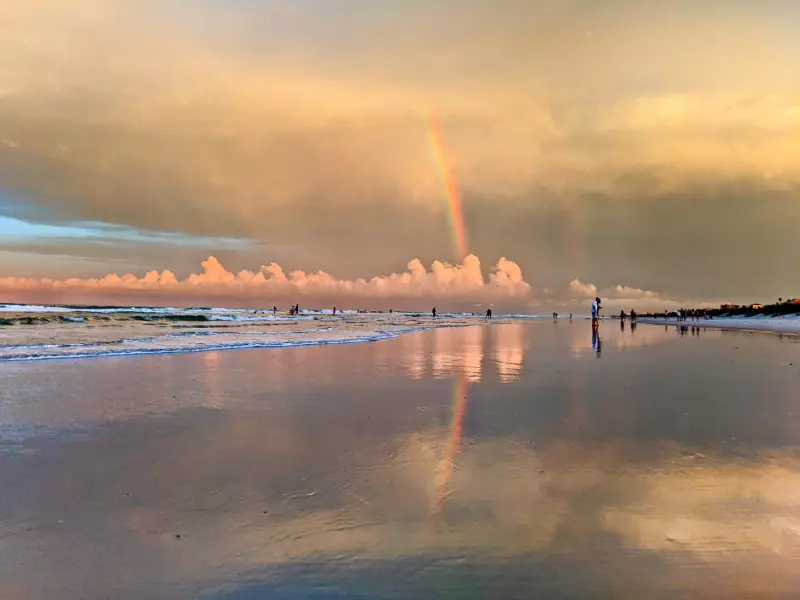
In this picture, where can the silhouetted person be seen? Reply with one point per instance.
(596, 312)
(570, 317)
(334, 310)
(274, 310)
(433, 312)
(489, 313)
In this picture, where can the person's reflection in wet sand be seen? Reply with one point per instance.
(633, 326)
(597, 345)
(621, 325)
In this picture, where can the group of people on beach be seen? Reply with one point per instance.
(683, 314)
(434, 313)
(689, 314)
(596, 313)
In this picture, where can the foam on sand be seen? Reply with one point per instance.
(36, 332)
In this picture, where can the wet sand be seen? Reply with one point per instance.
(511, 461)
(786, 324)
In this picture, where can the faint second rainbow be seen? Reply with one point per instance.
(455, 212)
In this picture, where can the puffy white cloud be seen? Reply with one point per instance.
(582, 290)
(627, 297)
(463, 281)
(623, 291)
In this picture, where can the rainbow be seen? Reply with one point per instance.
(446, 466)
(455, 211)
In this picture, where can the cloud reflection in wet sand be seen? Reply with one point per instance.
(583, 510)
(580, 477)
(509, 351)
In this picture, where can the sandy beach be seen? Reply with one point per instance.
(501, 461)
(789, 324)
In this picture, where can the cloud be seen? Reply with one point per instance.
(224, 114)
(462, 282)
(623, 291)
(582, 290)
(307, 127)
(619, 292)
(626, 297)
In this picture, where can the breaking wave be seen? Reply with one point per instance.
(37, 332)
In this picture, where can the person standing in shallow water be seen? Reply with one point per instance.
(596, 312)
(433, 312)
(489, 313)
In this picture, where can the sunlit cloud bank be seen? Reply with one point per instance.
(462, 282)
(582, 290)
(626, 297)
(459, 287)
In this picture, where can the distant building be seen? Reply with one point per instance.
(728, 306)
(793, 301)
(756, 306)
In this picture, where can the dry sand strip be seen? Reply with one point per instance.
(790, 325)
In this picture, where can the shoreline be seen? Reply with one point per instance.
(781, 325)
(152, 346)
(36, 335)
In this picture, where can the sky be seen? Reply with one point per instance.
(647, 152)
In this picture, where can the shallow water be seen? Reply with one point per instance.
(512, 461)
(48, 333)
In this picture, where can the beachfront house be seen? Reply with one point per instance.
(793, 301)
(756, 306)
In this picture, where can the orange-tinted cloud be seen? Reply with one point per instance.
(463, 282)
(627, 297)
(582, 290)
